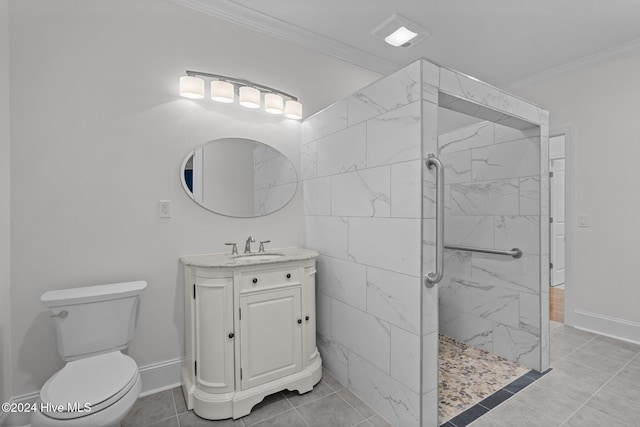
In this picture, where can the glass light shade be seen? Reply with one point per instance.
(273, 103)
(222, 91)
(249, 97)
(293, 110)
(191, 87)
(400, 36)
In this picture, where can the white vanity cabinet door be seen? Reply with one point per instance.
(271, 336)
(213, 324)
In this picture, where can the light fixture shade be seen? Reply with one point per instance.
(222, 91)
(191, 87)
(400, 36)
(273, 103)
(293, 110)
(249, 97)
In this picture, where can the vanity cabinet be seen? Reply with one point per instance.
(249, 330)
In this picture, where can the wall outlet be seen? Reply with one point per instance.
(584, 220)
(165, 208)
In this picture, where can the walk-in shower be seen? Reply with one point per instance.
(380, 207)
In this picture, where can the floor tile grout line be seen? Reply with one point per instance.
(575, 349)
(562, 422)
(300, 415)
(352, 407)
(598, 391)
(175, 407)
(163, 419)
(508, 399)
(311, 401)
(268, 418)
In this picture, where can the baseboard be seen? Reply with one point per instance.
(156, 377)
(20, 418)
(609, 326)
(160, 376)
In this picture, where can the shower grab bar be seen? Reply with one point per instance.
(515, 252)
(435, 276)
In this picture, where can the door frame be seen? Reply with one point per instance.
(570, 148)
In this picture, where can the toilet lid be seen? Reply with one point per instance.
(98, 381)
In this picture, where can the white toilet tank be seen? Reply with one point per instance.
(94, 319)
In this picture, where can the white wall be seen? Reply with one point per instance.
(600, 107)
(98, 136)
(5, 294)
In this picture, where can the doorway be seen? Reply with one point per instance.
(557, 229)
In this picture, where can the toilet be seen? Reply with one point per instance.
(99, 384)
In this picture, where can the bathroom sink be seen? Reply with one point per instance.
(257, 257)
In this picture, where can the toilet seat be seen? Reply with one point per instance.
(99, 381)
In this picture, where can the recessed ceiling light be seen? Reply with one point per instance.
(400, 36)
(399, 31)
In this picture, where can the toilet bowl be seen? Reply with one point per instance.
(99, 384)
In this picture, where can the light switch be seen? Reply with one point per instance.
(584, 220)
(165, 208)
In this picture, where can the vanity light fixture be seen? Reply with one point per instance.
(273, 103)
(224, 89)
(293, 110)
(399, 31)
(191, 87)
(249, 97)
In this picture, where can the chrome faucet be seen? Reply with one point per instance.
(247, 245)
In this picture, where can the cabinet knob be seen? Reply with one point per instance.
(231, 335)
(299, 321)
(306, 318)
(255, 280)
(288, 275)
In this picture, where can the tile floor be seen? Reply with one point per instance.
(329, 404)
(595, 382)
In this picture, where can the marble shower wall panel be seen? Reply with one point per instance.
(361, 166)
(429, 362)
(370, 211)
(494, 180)
(472, 90)
(392, 297)
(388, 94)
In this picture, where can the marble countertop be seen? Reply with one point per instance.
(226, 260)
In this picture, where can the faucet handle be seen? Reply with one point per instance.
(234, 249)
(261, 248)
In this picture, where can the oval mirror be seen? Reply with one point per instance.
(239, 177)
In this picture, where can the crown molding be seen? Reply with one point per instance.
(257, 21)
(608, 55)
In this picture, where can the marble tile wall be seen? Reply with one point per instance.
(430, 82)
(361, 168)
(494, 188)
(370, 211)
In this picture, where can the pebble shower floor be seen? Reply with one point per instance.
(468, 375)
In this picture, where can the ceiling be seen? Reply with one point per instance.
(499, 41)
